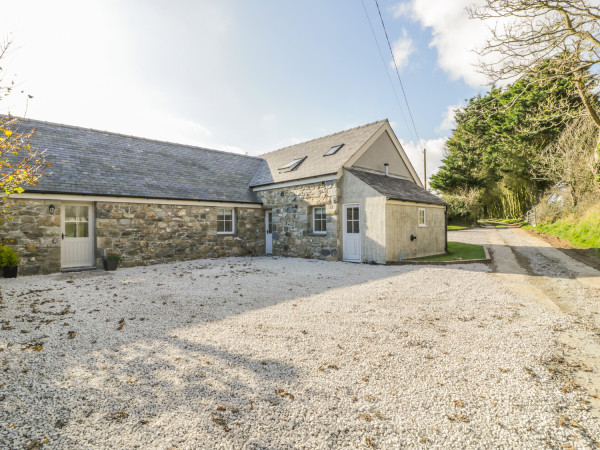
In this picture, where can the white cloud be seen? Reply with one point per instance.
(435, 154)
(402, 49)
(455, 36)
(448, 122)
(401, 10)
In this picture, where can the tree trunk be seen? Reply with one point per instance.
(586, 101)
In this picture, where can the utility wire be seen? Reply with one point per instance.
(397, 72)
(387, 72)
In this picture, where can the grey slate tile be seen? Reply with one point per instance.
(396, 188)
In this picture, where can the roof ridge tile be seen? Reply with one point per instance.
(326, 136)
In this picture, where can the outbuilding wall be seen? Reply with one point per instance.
(402, 221)
(292, 220)
(372, 212)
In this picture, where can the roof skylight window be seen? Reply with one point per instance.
(292, 165)
(333, 150)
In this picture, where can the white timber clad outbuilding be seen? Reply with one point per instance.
(352, 196)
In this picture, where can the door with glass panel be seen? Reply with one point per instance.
(351, 234)
(269, 232)
(77, 245)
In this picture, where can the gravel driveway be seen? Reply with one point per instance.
(278, 353)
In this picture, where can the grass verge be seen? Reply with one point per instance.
(458, 227)
(456, 251)
(584, 233)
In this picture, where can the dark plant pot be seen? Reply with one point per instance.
(110, 264)
(10, 271)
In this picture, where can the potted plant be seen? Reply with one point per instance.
(111, 261)
(9, 261)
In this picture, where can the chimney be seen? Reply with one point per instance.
(386, 169)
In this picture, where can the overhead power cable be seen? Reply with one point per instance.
(388, 73)
(397, 72)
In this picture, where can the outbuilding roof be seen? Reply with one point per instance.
(93, 162)
(314, 162)
(396, 188)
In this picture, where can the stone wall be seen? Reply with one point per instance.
(140, 233)
(150, 234)
(292, 220)
(34, 233)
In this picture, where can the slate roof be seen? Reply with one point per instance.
(397, 188)
(315, 163)
(92, 162)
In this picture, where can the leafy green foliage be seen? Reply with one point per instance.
(8, 257)
(498, 137)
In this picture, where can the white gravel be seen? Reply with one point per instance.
(192, 355)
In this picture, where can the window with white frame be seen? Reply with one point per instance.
(319, 220)
(422, 217)
(225, 220)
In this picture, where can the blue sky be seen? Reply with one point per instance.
(241, 76)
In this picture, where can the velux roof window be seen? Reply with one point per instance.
(292, 165)
(333, 150)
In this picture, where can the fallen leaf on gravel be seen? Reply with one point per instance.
(282, 393)
(71, 334)
(120, 415)
(459, 403)
(304, 332)
(369, 443)
(34, 445)
(365, 379)
(144, 421)
(365, 417)
(458, 418)
(219, 420)
(371, 398)
(132, 380)
(503, 370)
(380, 415)
(221, 408)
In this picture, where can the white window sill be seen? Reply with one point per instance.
(422, 226)
(225, 232)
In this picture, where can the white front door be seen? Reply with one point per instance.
(351, 233)
(77, 246)
(269, 230)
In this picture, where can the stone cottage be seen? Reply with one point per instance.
(351, 196)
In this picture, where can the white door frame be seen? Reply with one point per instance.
(268, 232)
(345, 231)
(90, 261)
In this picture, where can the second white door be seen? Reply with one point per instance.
(269, 232)
(351, 234)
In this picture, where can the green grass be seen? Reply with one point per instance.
(502, 222)
(457, 250)
(582, 233)
(457, 227)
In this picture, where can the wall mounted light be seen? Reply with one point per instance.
(51, 209)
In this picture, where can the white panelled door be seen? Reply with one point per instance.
(351, 233)
(269, 231)
(77, 246)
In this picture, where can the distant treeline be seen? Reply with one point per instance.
(514, 143)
